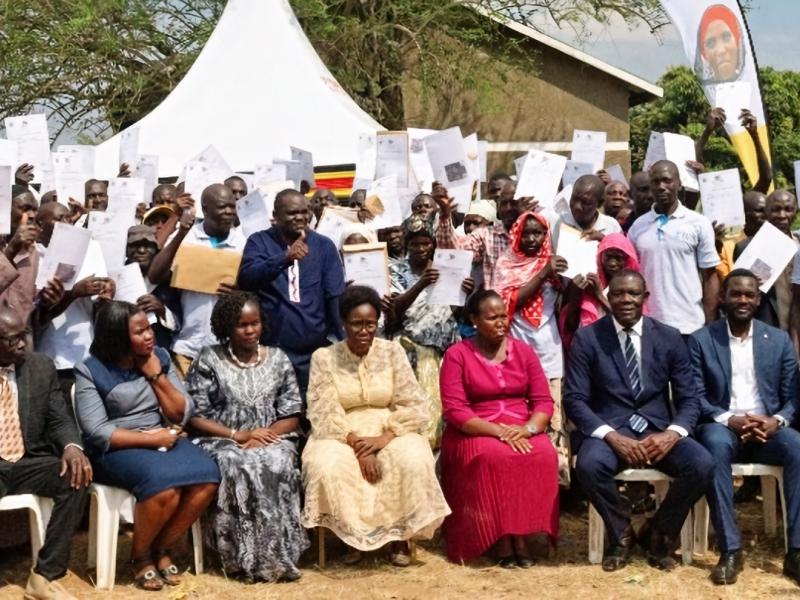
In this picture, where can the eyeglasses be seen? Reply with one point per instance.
(369, 326)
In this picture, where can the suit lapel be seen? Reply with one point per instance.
(23, 404)
(610, 345)
(722, 347)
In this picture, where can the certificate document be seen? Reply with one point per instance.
(721, 195)
(367, 264)
(580, 254)
(448, 157)
(539, 178)
(454, 267)
(573, 170)
(253, 213)
(333, 221)
(125, 193)
(306, 164)
(110, 231)
(64, 256)
(129, 146)
(589, 147)
(392, 156)
(33, 142)
(70, 177)
(767, 255)
(147, 169)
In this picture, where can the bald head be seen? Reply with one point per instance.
(48, 215)
(13, 338)
(219, 210)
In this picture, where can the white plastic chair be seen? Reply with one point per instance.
(661, 482)
(108, 505)
(767, 473)
(39, 510)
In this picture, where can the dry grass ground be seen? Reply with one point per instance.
(565, 574)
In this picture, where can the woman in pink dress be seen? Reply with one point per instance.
(499, 468)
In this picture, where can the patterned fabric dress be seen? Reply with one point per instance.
(366, 395)
(428, 330)
(255, 523)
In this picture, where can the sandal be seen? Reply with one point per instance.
(353, 557)
(399, 554)
(149, 579)
(171, 573)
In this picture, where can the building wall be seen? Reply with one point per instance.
(543, 106)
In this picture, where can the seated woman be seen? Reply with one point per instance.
(528, 278)
(499, 468)
(586, 297)
(131, 407)
(248, 404)
(368, 470)
(424, 330)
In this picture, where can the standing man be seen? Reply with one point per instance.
(747, 377)
(40, 452)
(673, 244)
(625, 373)
(298, 276)
(215, 231)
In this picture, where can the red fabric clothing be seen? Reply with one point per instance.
(514, 269)
(492, 490)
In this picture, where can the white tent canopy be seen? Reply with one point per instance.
(257, 87)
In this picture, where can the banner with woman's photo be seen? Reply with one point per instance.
(717, 44)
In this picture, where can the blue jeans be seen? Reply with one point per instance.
(782, 449)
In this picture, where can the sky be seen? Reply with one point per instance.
(637, 51)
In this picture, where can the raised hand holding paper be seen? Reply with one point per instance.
(540, 176)
(454, 267)
(70, 176)
(767, 255)
(64, 256)
(448, 157)
(124, 193)
(580, 254)
(33, 142)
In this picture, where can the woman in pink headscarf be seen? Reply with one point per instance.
(586, 298)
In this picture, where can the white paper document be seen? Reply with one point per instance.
(580, 254)
(767, 255)
(70, 177)
(65, 255)
(85, 153)
(589, 147)
(269, 172)
(306, 164)
(110, 231)
(448, 157)
(721, 195)
(33, 142)
(483, 152)
(655, 150)
(334, 220)
(367, 264)
(573, 170)
(147, 169)
(615, 173)
(9, 153)
(366, 157)
(200, 175)
(391, 156)
(130, 286)
(418, 157)
(6, 181)
(214, 159)
(254, 215)
(454, 267)
(540, 176)
(679, 149)
(125, 193)
(383, 201)
(732, 97)
(472, 149)
(129, 146)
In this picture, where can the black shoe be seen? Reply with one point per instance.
(507, 562)
(728, 568)
(619, 554)
(791, 565)
(659, 549)
(525, 562)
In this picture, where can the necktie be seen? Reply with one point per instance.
(637, 422)
(12, 444)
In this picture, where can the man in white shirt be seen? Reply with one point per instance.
(215, 231)
(747, 378)
(677, 254)
(584, 211)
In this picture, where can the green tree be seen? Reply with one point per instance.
(684, 107)
(100, 65)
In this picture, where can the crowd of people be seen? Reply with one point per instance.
(294, 399)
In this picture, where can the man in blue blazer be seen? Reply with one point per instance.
(617, 393)
(747, 375)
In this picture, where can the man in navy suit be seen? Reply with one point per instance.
(617, 393)
(746, 373)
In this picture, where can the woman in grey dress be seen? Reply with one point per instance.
(247, 407)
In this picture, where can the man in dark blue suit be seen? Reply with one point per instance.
(617, 393)
(747, 376)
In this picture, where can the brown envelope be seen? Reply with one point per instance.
(202, 269)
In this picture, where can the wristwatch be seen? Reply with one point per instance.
(532, 429)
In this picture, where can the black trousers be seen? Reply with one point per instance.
(39, 475)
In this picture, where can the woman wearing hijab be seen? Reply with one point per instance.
(527, 277)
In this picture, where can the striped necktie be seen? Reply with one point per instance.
(637, 422)
(12, 444)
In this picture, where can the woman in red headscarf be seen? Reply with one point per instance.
(527, 277)
(586, 297)
(720, 52)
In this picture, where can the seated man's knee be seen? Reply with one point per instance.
(720, 441)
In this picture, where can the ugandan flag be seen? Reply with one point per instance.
(337, 178)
